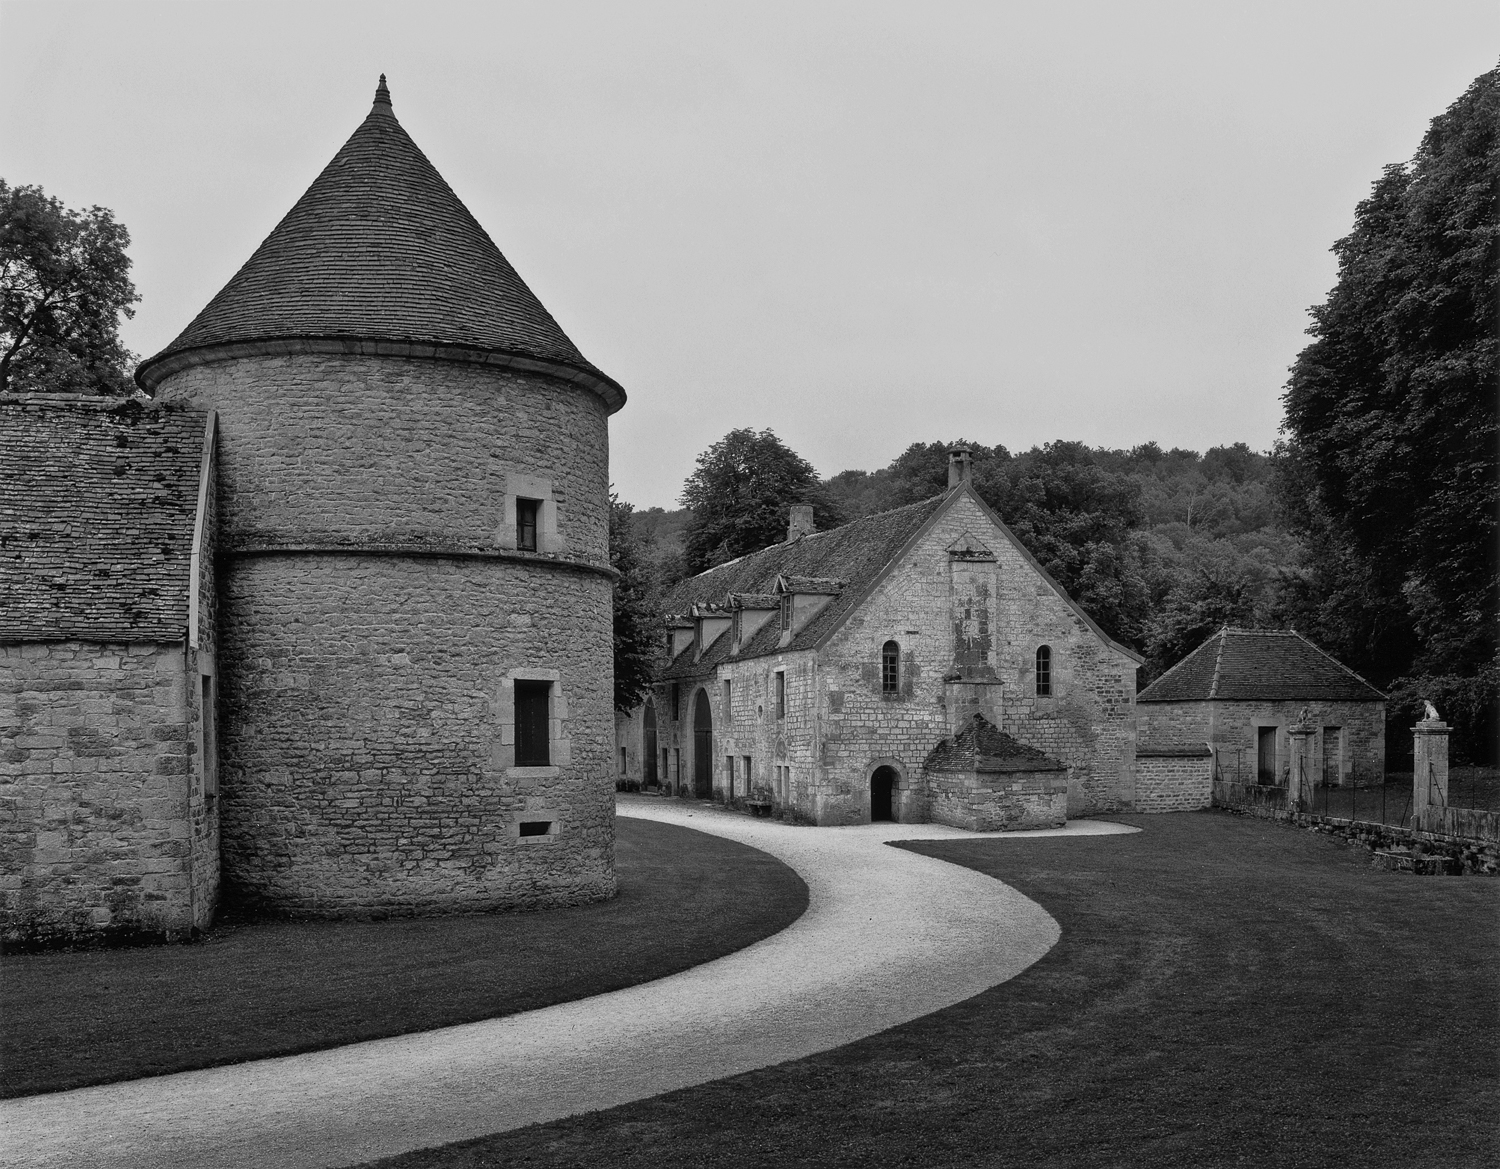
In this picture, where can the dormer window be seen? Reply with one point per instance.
(526, 514)
(786, 612)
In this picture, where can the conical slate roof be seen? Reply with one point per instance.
(379, 248)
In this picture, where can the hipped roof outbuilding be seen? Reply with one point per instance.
(1259, 665)
(380, 256)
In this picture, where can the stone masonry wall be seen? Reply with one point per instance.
(368, 748)
(98, 813)
(1230, 728)
(373, 450)
(1173, 783)
(375, 617)
(1086, 722)
(1003, 802)
(839, 727)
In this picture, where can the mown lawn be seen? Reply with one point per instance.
(1226, 992)
(258, 989)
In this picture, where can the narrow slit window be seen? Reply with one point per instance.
(1043, 671)
(780, 694)
(890, 668)
(531, 724)
(728, 704)
(526, 515)
(210, 737)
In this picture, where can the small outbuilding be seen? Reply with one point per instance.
(1234, 697)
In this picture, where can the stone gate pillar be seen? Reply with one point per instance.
(1302, 775)
(1429, 796)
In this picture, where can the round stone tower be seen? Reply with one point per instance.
(412, 541)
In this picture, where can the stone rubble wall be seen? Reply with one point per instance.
(387, 450)
(102, 814)
(374, 617)
(1015, 801)
(1173, 783)
(1230, 728)
(368, 749)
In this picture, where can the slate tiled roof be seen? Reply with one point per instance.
(981, 747)
(97, 508)
(854, 554)
(379, 248)
(1259, 665)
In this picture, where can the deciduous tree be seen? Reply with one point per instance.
(740, 496)
(64, 282)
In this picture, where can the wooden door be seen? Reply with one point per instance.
(703, 747)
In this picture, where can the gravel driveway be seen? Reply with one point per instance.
(888, 936)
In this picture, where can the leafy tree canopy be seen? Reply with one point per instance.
(637, 617)
(64, 281)
(1391, 408)
(741, 494)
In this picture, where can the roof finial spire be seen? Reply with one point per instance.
(382, 94)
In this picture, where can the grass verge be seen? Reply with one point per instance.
(275, 988)
(1226, 991)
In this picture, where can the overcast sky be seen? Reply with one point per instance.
(860, 225)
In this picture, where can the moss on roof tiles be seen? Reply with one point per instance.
(97, 507)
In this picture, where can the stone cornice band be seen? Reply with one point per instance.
(429, 551)
(149, 374)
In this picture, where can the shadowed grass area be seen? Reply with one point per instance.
(274, 988)
(1226, 992)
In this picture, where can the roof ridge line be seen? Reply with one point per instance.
(1319, 649)
(1213, 689)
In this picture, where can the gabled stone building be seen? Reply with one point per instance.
(109, 814)
(399, 576)
(1236, 695)
(917, 664)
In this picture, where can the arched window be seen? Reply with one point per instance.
(1043, 671)
(890, 668)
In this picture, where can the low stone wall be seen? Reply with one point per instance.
(1467, 856)
(1173, 779)
(1464, 823)
(1016, 800)
(98, 805)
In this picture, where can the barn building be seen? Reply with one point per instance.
(410, 614)
(914, 665)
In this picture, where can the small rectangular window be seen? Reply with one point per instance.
(535, 828)
(210, 737)
(526, 514)
(781, 694)
(531, 723)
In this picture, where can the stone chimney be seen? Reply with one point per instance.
(801, 523)
(958, 466)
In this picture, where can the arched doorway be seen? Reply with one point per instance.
(882, 794)
(648, 745)
(703, 747)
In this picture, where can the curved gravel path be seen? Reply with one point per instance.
(888, 936)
